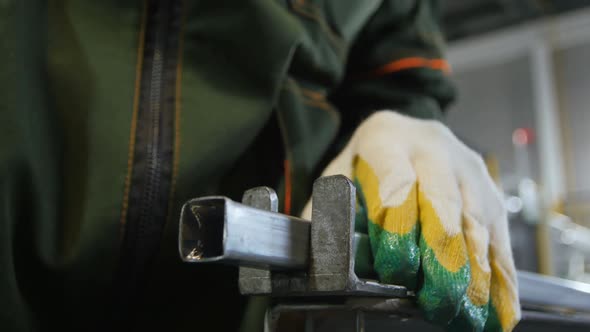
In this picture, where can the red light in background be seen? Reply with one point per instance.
(522, 136)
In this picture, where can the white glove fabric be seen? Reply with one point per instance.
(436, 220)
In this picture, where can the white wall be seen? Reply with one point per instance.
(533, 75)
(573, 85)
(494, 100)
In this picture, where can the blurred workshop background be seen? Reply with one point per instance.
(521, 67)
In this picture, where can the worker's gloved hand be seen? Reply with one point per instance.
(436, 221)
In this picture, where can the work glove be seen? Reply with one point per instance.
(435, 219)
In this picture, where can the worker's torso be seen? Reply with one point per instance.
(125, 110)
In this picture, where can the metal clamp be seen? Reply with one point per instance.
(281, 255)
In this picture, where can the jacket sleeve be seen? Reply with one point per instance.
(397, 63)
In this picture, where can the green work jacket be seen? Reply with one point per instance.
(115, 112)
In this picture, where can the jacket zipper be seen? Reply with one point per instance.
(151, 173)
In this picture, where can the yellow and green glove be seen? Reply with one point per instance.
(435, 220)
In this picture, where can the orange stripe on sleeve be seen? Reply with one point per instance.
(410, 63)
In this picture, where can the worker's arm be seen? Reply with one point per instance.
(435, 219)
(397, 62)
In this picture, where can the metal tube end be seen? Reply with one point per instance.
(202, 224)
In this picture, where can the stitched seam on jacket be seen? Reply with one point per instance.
(131, 144)
(313, 98)
(288, 158)
(312, 12)
(318, 100)
(177, 111)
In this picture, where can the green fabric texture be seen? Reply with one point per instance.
(442, 291)
(471, 317)
(493, 323)
(260, 81)
(397, 257)
(406, 259)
